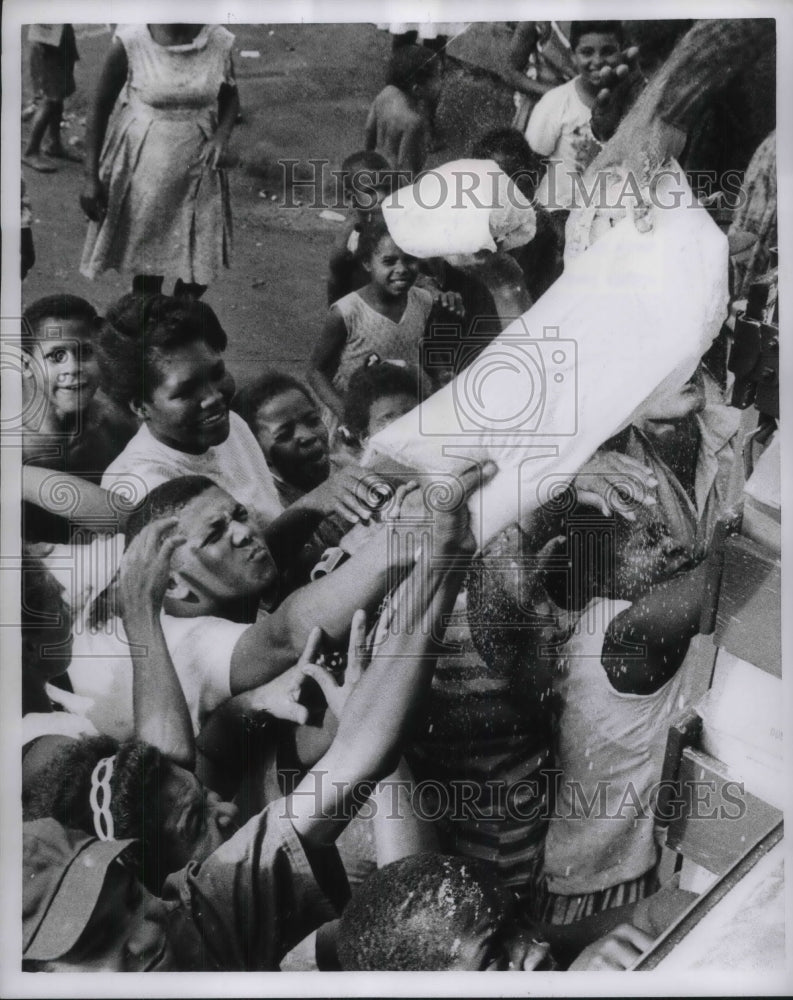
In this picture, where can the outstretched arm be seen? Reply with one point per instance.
(90, 505)
(524, 41)
(370, 129)
(398, 830)
(275, 641)
(386, 704)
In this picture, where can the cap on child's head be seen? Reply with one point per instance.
(63, 872)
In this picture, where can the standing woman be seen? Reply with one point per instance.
(157, 197)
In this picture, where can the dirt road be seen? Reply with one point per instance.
(305, 96)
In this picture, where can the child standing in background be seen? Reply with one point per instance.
(53, 53)
(559, 127)
(388, 317)
(367, 179)
(399, 122)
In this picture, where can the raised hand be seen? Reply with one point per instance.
(336, 694)
(615, 483)
(351, 491)
(145, 566)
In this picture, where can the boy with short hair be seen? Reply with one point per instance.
(560, 124)
(69, 425)
(66, 427)
(434, 912)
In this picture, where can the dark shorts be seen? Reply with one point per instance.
(52, 67)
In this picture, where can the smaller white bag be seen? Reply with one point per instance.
(462, 207)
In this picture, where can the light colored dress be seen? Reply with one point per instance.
(167, 213)
(369, 332)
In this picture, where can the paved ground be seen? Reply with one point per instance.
(305, 97)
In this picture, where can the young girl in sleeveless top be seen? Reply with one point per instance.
(388, 318)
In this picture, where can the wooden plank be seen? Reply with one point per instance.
(728, 524)
(749, 615)
(719, 821)
(683, 733)
(701, 907)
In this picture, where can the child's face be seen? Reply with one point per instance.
(391, 269)
(196, 820)
(386, 409)
(294, 439)
(63, 364)
(593, 52)
(499, 942)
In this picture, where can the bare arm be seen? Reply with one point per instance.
(161, 714)
(381, 711)
(370, 129)
(111, 80)
(324, 361)
(398, 830)
(228, 109)
(412, 147)
(662, 623)
(89, 504)
(273, 643)
(513, 71)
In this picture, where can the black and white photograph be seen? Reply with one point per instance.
(392, 552)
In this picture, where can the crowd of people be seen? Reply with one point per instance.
(270, 718)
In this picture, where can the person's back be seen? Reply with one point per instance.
(399, 129)
(398, 124)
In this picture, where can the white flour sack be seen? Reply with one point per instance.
(460, 208)
(635, 312)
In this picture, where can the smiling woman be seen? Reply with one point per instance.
(163, 358)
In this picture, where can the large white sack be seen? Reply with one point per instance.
(633, 313)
